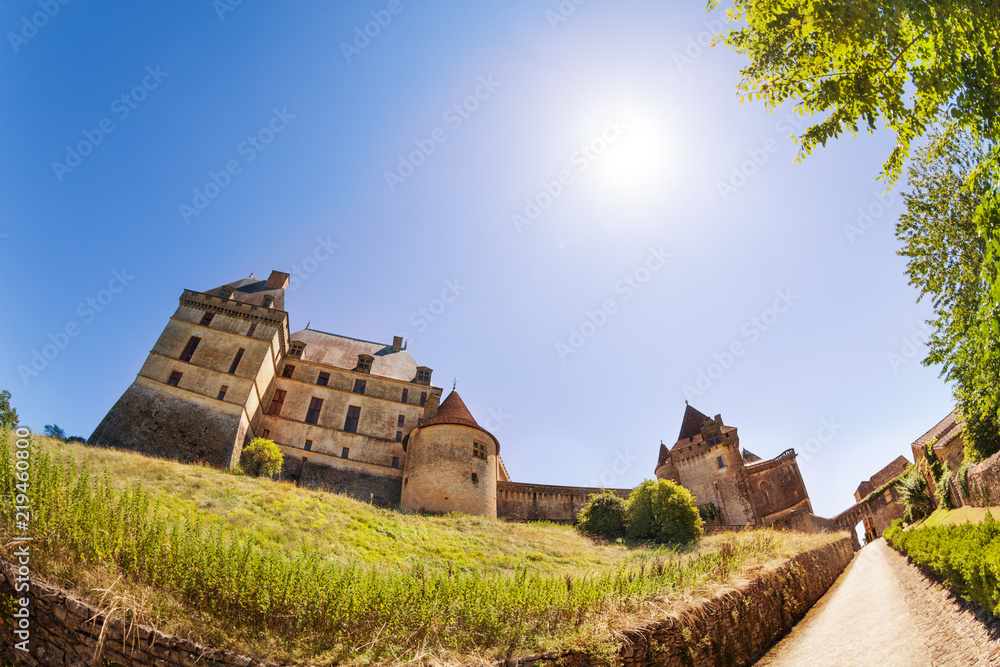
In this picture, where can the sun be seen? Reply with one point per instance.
(637, 162)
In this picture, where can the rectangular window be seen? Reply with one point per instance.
(236, 361)
(175, 379)
(206, 319)
(344, 453)
(323, 380)
(399, 436)
(365, 363)
(268, 300)
(423, 376)
(309, 445)
(189, 349)
(267, 434)
(722, 462)
(253, 327)
(288, 371)
(420, 422)
(353, 416)
(423, 397)
(359, 386)
(315, 405)
(277, 401)
(479, 450)
(401, 421)
(395, 461)
(475, 478)
(222, 392)
(406, 394)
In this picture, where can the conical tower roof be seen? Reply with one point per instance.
(692, 423)
(453, 411)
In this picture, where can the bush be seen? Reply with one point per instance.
(662, 511)
(261, 458)
(53, 431)
(943, 488)
(912, 487)
(603, 516)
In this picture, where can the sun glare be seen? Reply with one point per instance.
(637, 162)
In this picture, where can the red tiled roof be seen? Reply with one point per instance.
(692, 423)
(890, 472)
(945, 431)
(453, 411)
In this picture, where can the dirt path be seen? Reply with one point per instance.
(885, 613)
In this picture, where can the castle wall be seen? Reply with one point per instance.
(776, 484)
(161, 420)
(542, 502)
(378, 485)
(293, 434)
(439, 468)
(726, 487)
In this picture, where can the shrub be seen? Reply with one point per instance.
(963, 479)
(662, 511)
(261, 458)
(916, 498)
(603, 516)
(53, 431)
(943, 488)
(8, 414)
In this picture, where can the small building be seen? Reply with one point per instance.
(887, 506)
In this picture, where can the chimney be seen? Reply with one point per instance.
(397, 343)
(718, 420)
(277, 280)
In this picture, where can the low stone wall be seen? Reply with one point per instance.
(735, 628)
(67, 632)
(542, 502)
(984, 483)
(804, 521)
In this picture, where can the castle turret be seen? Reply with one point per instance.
(451, 463)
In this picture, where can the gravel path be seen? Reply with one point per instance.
(883, 612)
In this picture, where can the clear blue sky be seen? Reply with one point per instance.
(669, 212)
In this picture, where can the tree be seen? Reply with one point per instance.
(916, 497)
(945, 261)
(54, 431)
(603, 516)
(261, 458)
(662, 511)
(8, 415)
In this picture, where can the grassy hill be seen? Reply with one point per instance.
(273, 570)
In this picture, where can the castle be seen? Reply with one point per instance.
(362, 418)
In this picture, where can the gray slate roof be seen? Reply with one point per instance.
(342, 352)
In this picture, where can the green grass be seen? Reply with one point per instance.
(955, 517)
(273, 570)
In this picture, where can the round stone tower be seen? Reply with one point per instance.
(451, 463)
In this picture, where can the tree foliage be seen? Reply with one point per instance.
(54, 431)
(946, 260)
(662, 511)
(8, 415)
(916, 497)
(261, 458)
(603, 516)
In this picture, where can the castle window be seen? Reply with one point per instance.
(353, 417)
(400, 421)
(253, 327)
(189, 349)
(365, 363)
(420, 422)
(277, 401)
(206, 319)
(175, 379)
(475, 478)
(345, 452)
(315, 405)
(288, 371)
(406, 394)
(359, 386)
(423, 397)
(296, 349)
(395, 461)
(722, 462)
(236, 361)
(226, 292)
(479, 451)
(309, 445)
(423, 375)
(267, 434)
(222, 392)
(268, 300)
(399, 436)
(323, 379)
